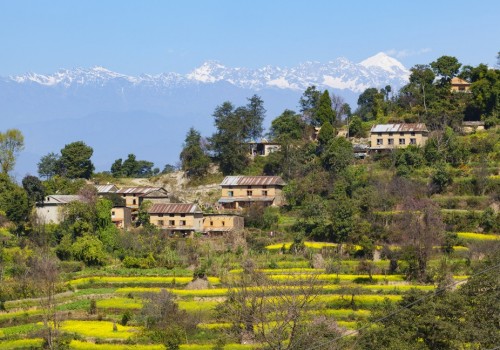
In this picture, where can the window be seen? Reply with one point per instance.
(112, 213)
(412, 133)
(461, 88)
(401, 134)
(211, 223)
(413, 141)
(390, 134)
(249, 193)
(380, 142)
(249, 187)
(390, 142)
(171, 222)
(160, 222)
(171, 215)
(160, 215)
(264, 186)
(134, 202)
(401, 141)
(223, 223)
(264, 193)
(182, 223)
(183, 215)
(230, 193)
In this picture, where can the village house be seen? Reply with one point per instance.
(103, 190)
(134, 196)
(263, 148)
(469, 127)
(176, 218)
(390, 136)
(217, 224)
(49, 211)
(459, 85)
(121, 217)
(240, 192)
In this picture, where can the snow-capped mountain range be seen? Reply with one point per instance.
(342, 74)
(149, 115)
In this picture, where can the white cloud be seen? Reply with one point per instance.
(407, 52)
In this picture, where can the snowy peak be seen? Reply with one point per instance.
(384, 62)
(208, 72)
(376, 71)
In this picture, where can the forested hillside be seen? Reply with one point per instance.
(397, 249)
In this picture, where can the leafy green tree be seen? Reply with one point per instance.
(227, 142)
(116, 168)
(288, 126)
(14, 203)
(11, 143)
(129, 166)
(309, 103)
(48, 165)
(326, 134)
(337, 155)
(356, 127)
(485, 90)
(370, 104)
(195, 162)
(90, 250)
(75, 160)
(252, 117)
(446, 67)
(441, 178)
(420, 90)
(34, 189)
(324, 112)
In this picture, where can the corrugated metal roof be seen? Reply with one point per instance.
(139, 190)
(406, 127)
(252, 181)
(174, 208)
(458, 81)
(61, 199)
(106, 188)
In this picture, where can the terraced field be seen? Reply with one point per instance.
(347, 298)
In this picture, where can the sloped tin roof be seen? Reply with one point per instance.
(106, 188)
(139, 190)
(406, 127)
(252, 181)
(174, 208)
(62, 198)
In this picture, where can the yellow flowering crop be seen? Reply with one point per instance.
(98, 329)
(119, 303)
(471, 236)
(21, 344)
(80, 345)
(131, 280)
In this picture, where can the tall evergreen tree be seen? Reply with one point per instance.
(75, 160)
(325, 112)
(195, 161)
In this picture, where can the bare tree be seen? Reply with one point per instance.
(45, 274)
(261, 310)
(421, 228)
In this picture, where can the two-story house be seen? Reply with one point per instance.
(263, 148)
(459, 85)
(176, 218)
(240, 192)
(50, 210)
(134, 196)
(217, 224)
(390, 136)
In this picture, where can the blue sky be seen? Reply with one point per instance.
(134, 37)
